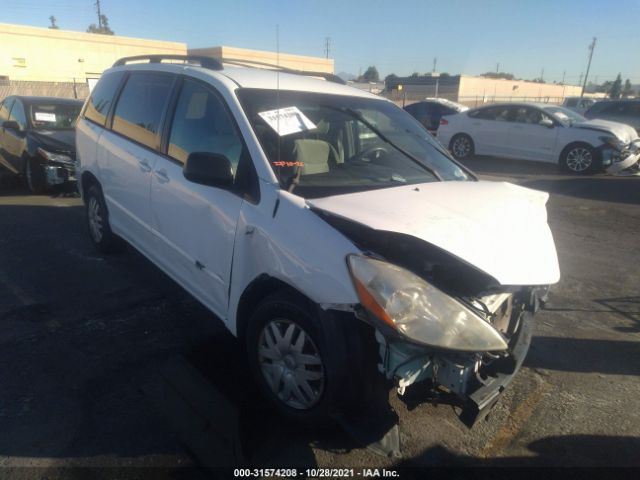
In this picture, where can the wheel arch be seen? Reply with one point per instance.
(259, 288)
(87, 180)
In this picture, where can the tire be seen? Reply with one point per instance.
(578, 158)
(462, 147)
(300, 376)
(34, 176)
(98, 223)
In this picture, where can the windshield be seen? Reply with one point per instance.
(53, 116)
(565, 116)
(331, 144)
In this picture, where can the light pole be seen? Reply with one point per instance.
(437, 75)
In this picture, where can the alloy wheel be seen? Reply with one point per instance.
(95, 219)
(461, 147)
(579, 159)
(290, 363)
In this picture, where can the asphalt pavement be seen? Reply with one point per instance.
(106, 362)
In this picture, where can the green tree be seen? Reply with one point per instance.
(414, 75)
(627, 91)
(371, 75)
(616, 87)
(390, 77)
(506, 76)
(53, 25)
(103, 28)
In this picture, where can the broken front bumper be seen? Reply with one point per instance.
(58, 173)
(475, 383)
(621, 160)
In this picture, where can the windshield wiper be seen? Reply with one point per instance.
(384, 138)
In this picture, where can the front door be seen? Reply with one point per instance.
(195, 224)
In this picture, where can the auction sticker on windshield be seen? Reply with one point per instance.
(45, 117)
(288, 120)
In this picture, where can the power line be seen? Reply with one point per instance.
(591, 48)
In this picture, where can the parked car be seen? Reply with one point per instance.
(322, 225)
(578, 104)
(623, 111)
(37, 139)
(429, 111)
(544, 133)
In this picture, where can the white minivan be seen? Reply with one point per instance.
(323, 225)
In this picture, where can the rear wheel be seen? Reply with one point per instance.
(578, 158)
(98, 222)
(34, 176)
(461, 146)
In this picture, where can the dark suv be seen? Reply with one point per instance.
(623, 111)
(37, 139)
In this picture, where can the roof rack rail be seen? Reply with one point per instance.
(330, 77)
(205, 62)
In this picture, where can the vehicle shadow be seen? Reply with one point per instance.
(549, 178)
(584, 355)
(580, 451)
(14, 186)
(628, 307)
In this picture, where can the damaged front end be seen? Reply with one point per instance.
(439, 321)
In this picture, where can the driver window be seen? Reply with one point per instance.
(17, 114)
(201, 123)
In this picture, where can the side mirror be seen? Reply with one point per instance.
(11, 125)
(211, 169)
(546, 122)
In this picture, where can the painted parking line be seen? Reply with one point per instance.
(516, 421)
(18, 292)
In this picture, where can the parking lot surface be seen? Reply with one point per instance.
(106, 362)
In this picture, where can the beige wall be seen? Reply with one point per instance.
(296, 62)
(489, 87)
(43, 54)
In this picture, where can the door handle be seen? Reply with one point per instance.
(144, 165)
(161, 175)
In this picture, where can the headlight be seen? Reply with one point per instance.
(418, 310)
(613, 142)
(55, 157)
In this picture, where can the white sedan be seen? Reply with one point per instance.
(541, 132)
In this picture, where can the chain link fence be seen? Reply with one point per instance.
(44, 89)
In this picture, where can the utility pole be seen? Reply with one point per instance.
(580, 79)
(99, 14)
(563, 74)
(327, 46)
(435, 63)
(498, 67)
(591, 48)
(542, 75)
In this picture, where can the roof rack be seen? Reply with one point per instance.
(330, 77)
(205, 62)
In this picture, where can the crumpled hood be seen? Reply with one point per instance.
(56, 140)
(498, 227)
(624, 132)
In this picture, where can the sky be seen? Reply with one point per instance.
(401, 37)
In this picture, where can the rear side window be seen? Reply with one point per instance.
(140, 107)
(202, 124)
(572, 102)
(500, 114)
(102, 97)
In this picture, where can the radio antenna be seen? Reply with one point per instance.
(278, 85)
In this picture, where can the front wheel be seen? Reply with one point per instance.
(578, 158)
(297, 368)
(461, 146)
(34, 176)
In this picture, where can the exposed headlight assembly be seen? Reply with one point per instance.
(613, 142)
(418, 310)
(55, 157)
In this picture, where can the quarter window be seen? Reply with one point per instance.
(102, 97)
(202, 124)
(139, 110)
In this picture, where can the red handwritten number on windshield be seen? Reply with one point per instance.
(281, 163)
